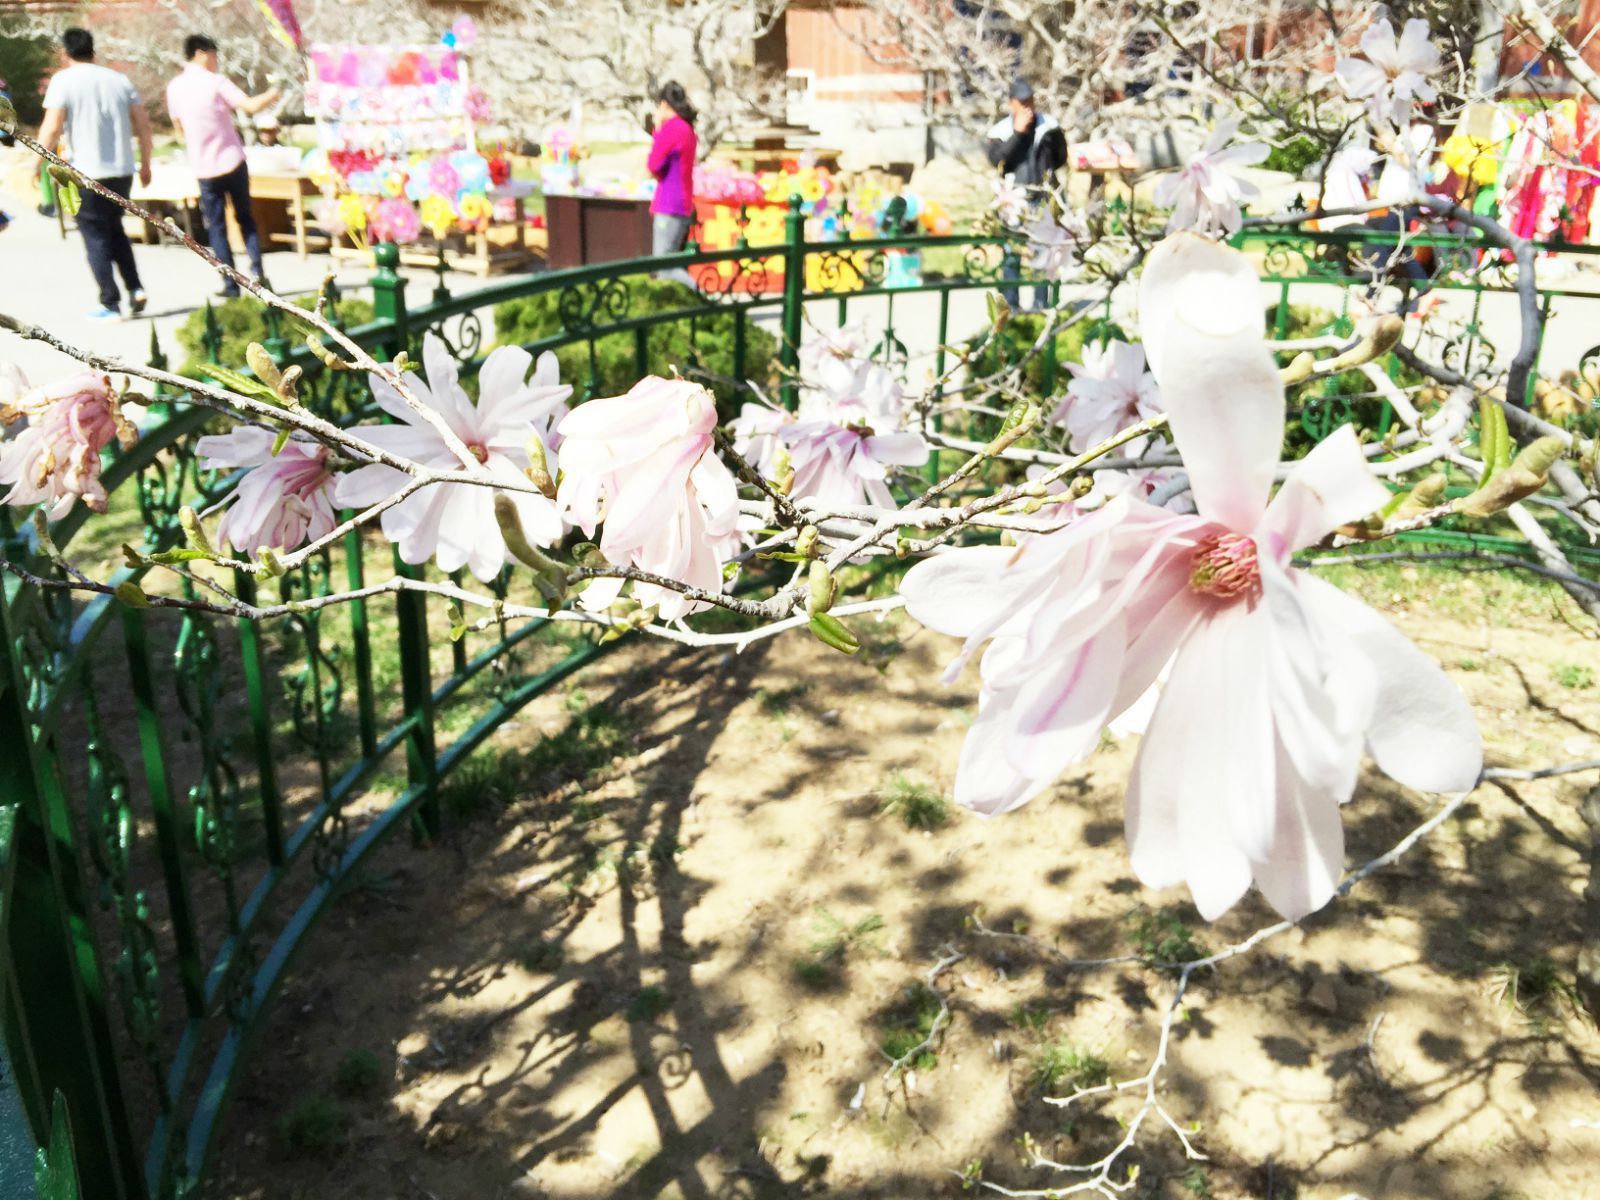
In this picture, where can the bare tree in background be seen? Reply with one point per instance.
(538, 57)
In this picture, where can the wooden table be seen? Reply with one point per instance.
(292, 190)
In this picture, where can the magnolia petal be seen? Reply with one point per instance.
(500, 384)
(1321, 687)
(1378, 43)
(1204, 771)
(1416, 51)
(1204, 336)
(1329, 487)
(1301, 871)
(986, 782)
(1060, 708)
(244, 446)
(1423, 733)
(961, 590)
(367, 486)
(1359, 78)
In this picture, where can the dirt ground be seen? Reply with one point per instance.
(678, 979)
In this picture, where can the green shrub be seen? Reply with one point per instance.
(25, 60)
(1293, 157)
(358, 1073)
(315, 1127)
(242, 321)
(1019, 335)
(709, 348)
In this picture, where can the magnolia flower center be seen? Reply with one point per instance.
(1225, 566)
(479, 451)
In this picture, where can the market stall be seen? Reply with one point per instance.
(398, 128)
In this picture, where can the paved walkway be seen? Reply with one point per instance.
(45, 279)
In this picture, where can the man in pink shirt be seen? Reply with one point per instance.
(202, 103)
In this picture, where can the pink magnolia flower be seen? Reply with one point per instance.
(1206, 195)
(1277, 680)
(1394, 75)
(282, 500)
(454, 523)
(1110, 390)
(847, 433)
(56, 459)
(643, 466)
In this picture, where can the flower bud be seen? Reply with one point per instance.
(833, 632)
(823, 589)
(192, 530)
(262, 363)
(806, 543)
(548, 575)
(538, 471)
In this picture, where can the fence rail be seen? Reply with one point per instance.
(183, 797)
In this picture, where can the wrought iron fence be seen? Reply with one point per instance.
(182, 797)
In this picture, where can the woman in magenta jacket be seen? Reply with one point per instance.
(673, 147)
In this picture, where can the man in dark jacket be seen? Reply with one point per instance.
(1030, 148)
(1027, 145)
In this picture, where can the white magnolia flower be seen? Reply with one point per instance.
(1053, 245)
(1278, 681)
(1110, 390)
(454, 523)
(1394, 75)
(1206, 195)
(1010, 201)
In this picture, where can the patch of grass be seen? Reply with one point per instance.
(1062, 1063)
(909, 1025)
(835, 939)
(1574, 675)
(818, 976)
(541, 957)
(358, 1073)
(315, 1127)
(1031, 1018)
(1468, 664)
(1163, 936)
(480, 785)
(595, 735)
(1534, 989)
(647, 1004)
(779, 702)
(1198, 1183)
(917, 804)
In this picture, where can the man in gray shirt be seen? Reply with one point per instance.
(100, 112)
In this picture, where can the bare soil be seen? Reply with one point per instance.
(676, 980)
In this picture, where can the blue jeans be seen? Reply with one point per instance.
(232, 188)
(106, 242)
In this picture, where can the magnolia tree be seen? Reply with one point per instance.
(1149, 574)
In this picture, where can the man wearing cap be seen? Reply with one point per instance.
(1030, 149)
(1027, 146)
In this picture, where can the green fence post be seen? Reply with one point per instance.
(57, 1033)
(794, 292)
(389, 294)
(416, 676)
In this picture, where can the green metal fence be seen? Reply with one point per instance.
(182, 797)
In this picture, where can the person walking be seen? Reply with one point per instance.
(201, 102)
(1029, 148)
(673, 149)
(100, 113)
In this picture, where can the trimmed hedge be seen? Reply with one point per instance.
(243, 320)
(706, 343)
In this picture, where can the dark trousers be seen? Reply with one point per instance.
(232, 188)
(105, 241)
